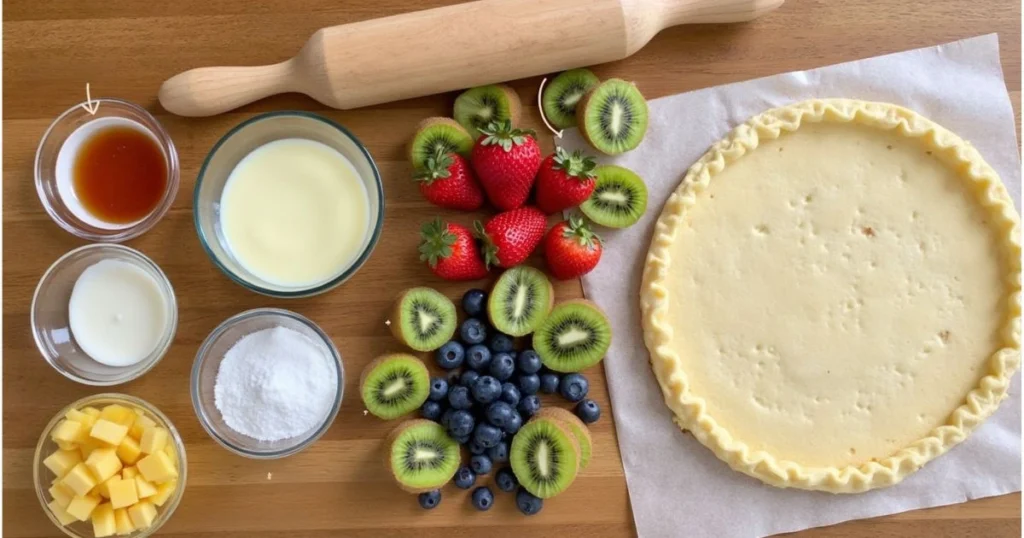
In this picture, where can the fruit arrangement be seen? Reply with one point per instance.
(488, 399)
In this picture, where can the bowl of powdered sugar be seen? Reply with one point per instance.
(267, 383)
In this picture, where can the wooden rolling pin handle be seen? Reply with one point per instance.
(207, 91)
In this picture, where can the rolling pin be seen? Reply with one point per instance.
(449, 48)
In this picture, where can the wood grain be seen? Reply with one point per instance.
(126, 48)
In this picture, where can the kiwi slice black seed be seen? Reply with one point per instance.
(477, 107)
(576, 426)
(435, 135)
(563, 93)
(421, 456)
(575, 336)
(393, 385)
(423, 319)
(619, 198)
(613, 117)
(521, 299)
(545, 457)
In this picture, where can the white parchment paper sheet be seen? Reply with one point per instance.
(676, 486)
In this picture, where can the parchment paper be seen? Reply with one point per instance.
(677, 487)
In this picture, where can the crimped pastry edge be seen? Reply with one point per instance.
(690, 409)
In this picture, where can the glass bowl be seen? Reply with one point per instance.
(53, 168)
(51, 328)
(41, 476)
(238, 143)
(207, 364)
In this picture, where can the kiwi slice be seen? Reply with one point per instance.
(393, 385)
(563, 93)
(423, 319)
(619, 197)
(575, 336)
(545, 457)
(613, 117)
(576, 426)
(477, 107)
(521, 299)
(434, 135)
(421, 455)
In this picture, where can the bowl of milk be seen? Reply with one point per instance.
(289, 204)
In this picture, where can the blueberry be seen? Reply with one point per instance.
(483, 499)
(528, 384)
(465, 477)
(446, 417)
(528, 503)
(528, 406)
(485, 435)
(475, 448)
(468, 378)
(462, 439)
(588, 411)
(513, 424)
(461, 423)
(474, 302)
(573, 387)
(506, 480)
(481, 464)
(500, 343)
(499, 413)
(549, 383)
(528, 362)
(431, 411)
(498, 453)
(430, 499)
(458, 398)
(486, 389)
(502, 366)
(473, 332)
(438, 389)
(450, 355)
(509, 394)
(478, 357)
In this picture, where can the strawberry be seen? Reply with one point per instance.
(571, 249)
(447, 181)
(451, 252)
(510, 237)
(506, 161)
(564, 180)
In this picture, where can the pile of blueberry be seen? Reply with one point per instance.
(490, 390)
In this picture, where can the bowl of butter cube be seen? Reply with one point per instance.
(109, 465)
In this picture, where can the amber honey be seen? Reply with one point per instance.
(119, 174)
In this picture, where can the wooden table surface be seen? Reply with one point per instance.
(125, 48)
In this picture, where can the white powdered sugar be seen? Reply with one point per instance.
(275, 384)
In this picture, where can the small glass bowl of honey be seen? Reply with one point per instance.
(108, 176)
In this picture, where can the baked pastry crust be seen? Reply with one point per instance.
(691, 406)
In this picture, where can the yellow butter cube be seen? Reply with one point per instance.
(153, 440)
(119, 414)
(103, 523)
(87, 421)
(103, 490)
(80, 480)
(81, 507)
(129, 473)
(141, 423)
(163, 492)
(76, 415)
(62, 494)
(171, 453)
(61, 461)
(111, 433)
(124, 523)
(144, 487)
(142, 514)
(157, 468)
(64, 445)
(66, 430)
(60, 513)
(91, 411)
(129, 451)
(104, 463)
(123, 493)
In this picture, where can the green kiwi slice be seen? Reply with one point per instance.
(435, 135)
(545, 457)
(421, 455)
(576, 426)
(423, 319)
(393, 385)
(613, 117)
(477, 107)
(574, 337)
(563, 93)
(521, 299)
(619, 198)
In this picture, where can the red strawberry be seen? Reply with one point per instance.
(510, 237)
(506, 161)
(571, 249)
(564, 180)
(447, 181)
(451, 252)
